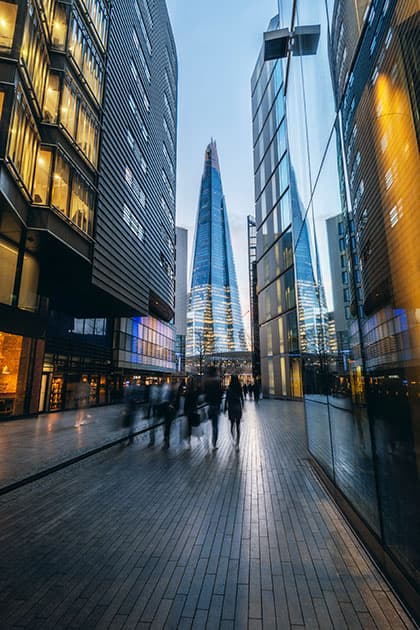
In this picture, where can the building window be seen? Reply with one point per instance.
(141, 55)
(81, 204)
(135, 186)
(143, 27)
(52, 95)
(88, 133)
(72, 195)
(1, 104)
(85, 57)
(133, 223)
(167, 211)
(7, 25)
(68, 109)
(168, 134)
(23, 140)
(80, 122)
(8, 262)
(168, 160)
(98, 16)
(28, 292)
(60, 187)
(168, 186)
(42, 177)
(34, 53)
(59, 29)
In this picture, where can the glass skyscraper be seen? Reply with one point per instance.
(214, 323)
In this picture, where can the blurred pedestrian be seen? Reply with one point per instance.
(245, 390)
(131, 399)
(191, 407)
(82, 402)
(233, 405)
(168, 409)
(213, 394)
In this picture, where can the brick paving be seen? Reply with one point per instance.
(143, 538)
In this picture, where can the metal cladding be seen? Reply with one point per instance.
(134, 255)
(214, 321)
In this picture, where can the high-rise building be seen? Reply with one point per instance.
(352, 107)
(288, 282)
(68, 262)
(214, 323)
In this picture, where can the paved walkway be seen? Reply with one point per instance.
(144, 538)
(34, 444)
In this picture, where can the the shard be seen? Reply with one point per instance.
(214, 314)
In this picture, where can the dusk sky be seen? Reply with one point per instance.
(218, 44)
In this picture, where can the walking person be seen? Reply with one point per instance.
(233, 405)
(213, 394)
(131, 398)
(191, 407)
(82, 402)
(168, 406)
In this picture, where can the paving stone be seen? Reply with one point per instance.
(140, 538)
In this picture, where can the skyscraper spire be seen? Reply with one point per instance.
(214, 314)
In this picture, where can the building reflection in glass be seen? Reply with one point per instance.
(353, 123)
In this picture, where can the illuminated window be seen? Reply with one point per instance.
(1, 104)
(52, 94)
(34, 53)
(69, 107)
(85, 57)
(48, 11)
(88, 133)
(81, 205)
(28, 292)
(8, 262)
(42, 177)
(98, 16)
(59, 30)
(60, 186)
(23, 139)
(7, 25)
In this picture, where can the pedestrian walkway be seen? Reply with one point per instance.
(145, 538)
(33, 445)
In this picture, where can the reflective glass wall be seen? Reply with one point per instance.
(352, 112)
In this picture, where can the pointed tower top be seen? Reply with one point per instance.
(211, 155)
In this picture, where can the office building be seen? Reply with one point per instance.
(352, 109)
(214, 323)
(64, 256)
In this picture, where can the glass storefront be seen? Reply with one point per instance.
(15, 353)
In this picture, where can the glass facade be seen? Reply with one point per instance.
(353, 148)
(146, 344)
(214, 321)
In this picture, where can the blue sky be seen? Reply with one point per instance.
(218, 44)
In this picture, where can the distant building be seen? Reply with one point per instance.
(340, 279)
(214, 323)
